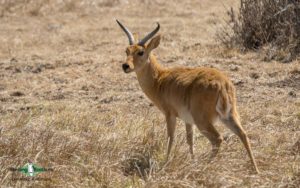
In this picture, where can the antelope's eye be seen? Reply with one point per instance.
(140, 53)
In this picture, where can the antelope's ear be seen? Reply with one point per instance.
(153, 43)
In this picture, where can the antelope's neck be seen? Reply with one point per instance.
(148, 78)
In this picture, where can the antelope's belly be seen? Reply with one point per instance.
(185, 115)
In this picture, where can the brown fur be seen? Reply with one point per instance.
(199, 95)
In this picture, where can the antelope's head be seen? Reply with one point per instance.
(138, 51)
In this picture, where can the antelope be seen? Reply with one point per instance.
(197, 96)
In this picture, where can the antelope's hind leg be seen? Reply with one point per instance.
(210, 132)
(233, 123)
(190, 138)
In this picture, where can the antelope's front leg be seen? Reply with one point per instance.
(171, 125)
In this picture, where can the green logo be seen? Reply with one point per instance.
(31, 169)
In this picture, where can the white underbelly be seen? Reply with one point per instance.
(186, 116)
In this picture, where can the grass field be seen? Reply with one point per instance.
(66, 103)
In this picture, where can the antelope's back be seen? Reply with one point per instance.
(194, 89)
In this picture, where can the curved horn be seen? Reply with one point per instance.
(127, 32)
(150, 35)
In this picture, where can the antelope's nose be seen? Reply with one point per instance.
(125, 66)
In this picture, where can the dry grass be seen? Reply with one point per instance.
(66, 104)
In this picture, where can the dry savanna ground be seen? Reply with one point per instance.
(66, 103)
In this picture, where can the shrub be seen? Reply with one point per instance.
(274, 24)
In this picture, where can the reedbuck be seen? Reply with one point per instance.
(198, 96)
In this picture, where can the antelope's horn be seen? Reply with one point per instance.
(127, 32)
(149, 36)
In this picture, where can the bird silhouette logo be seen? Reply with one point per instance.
(30, 169)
